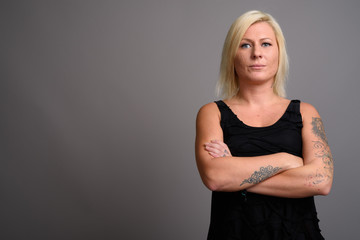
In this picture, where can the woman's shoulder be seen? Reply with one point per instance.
(308, 110)
(307, 107)
(208, 110)
(210, 107)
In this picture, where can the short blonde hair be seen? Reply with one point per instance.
(227, 85)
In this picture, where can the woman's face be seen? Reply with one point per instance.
(257, 57)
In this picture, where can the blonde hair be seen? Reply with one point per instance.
(227, 85)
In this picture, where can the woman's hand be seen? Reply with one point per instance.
(217, 148)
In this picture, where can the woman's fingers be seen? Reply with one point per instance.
(212, 149)
(214, 155)
(222, 144)
(214, 152)
(217, 148)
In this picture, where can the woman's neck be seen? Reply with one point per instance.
(256, 95)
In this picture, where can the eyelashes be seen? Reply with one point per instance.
(266, 44)
(248, 45)
(245, 45)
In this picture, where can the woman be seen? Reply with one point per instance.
(263, 156)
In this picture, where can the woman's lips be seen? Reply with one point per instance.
(257, 66)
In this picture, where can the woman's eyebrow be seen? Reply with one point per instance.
(262, 39)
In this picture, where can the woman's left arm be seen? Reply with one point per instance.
(316, 175)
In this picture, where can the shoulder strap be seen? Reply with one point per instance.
(223, 108)
(294, 112)
(221, 105)
(295, 105)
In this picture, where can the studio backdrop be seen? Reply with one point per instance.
(98, 103)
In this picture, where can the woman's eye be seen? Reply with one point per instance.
(245, 45)
(265, 44)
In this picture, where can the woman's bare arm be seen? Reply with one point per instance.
(233, 173)
(316, 176)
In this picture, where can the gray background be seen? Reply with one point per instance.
(98, 104)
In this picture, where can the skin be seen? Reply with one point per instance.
(279, 174)
(257, 57)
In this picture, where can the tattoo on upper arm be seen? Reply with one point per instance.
(318, 129)
(323, 152)
(261, 175)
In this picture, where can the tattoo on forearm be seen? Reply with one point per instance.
(323, 152)
(261, 175)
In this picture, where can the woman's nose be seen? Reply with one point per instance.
(257, 52)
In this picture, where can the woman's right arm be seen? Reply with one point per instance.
(232, 173)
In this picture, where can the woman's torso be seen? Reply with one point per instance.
(244, 215)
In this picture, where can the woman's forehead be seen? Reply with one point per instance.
(260, 30)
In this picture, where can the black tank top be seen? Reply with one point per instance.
(244, 215)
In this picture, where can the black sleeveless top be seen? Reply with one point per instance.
(245, 215)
